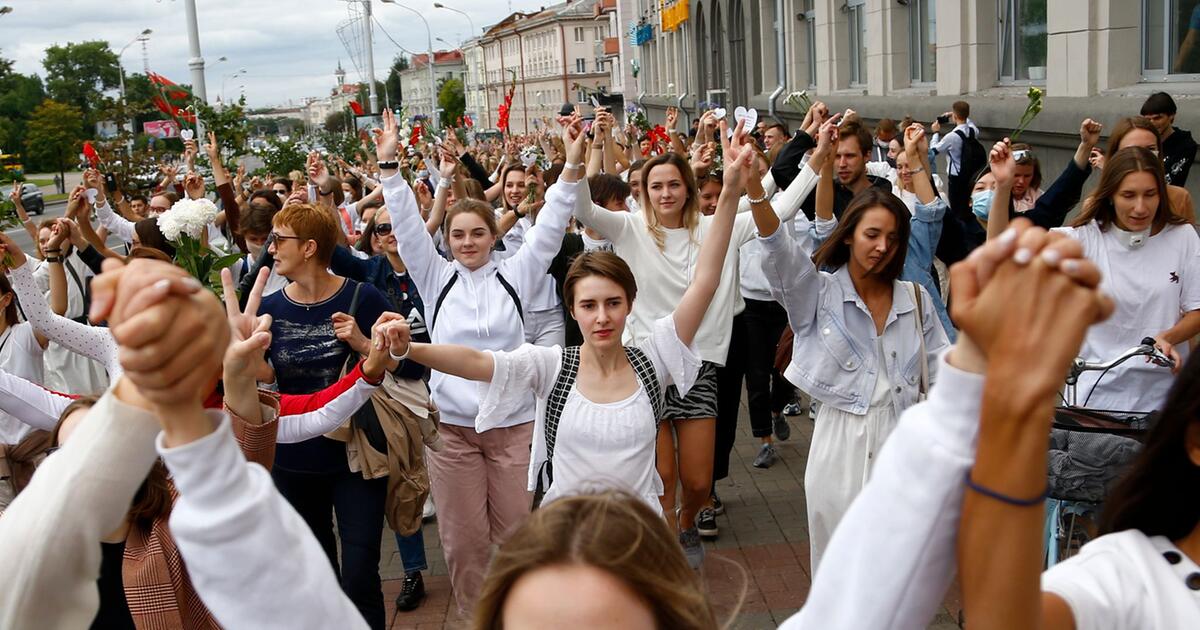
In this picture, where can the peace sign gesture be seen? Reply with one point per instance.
(388, 138)
(250, 333)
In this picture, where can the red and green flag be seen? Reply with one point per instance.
(172, 98)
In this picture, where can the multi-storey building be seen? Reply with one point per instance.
(892, 58)
(551, 57)
(415, 82)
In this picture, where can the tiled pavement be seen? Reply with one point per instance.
(759, 567)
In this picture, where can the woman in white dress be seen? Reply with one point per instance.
(866, 343)
(599, 426)
(21, 349)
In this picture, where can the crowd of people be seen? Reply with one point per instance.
(545, 338)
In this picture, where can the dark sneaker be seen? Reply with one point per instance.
(766, 456)
(783, 430)
(706, 523)
(718, 505)
(693, 549)
(792, 409)
(412, 593)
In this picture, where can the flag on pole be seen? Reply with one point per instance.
(172, 99)
(357, 108)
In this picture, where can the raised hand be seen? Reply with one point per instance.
(1089, 132)
(212, 148)
(449, 162)
(15, 194)
(250, 333)
(10, 252)
(299, 195)
(170, 174)
(379, 358)
(424, 197)
(1002, 164)
(672, 118)
(1096, 159)
(58, 234)
(827, 138)
(387, 139)
(915, 142)
(189, 155)
(573, 138)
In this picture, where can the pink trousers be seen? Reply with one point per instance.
(479, 485)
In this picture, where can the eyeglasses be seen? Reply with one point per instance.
(159, 208)
(383, 229)
(276, 236)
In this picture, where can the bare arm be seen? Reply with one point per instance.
(1003, 167)
(24, 216)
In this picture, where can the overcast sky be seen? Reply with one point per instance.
(289, 48)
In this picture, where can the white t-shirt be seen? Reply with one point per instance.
(1153, 286)
(597, 444)
(20, 355)
(1124, 581)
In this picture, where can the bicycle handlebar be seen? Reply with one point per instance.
(1147, 349)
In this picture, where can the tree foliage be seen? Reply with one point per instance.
(229, 123)
(53, 135)
(281, 157)
(76, 74)
(395, 91)
(452, 101)
(19, 95)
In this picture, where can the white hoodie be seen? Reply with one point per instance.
(478, 311)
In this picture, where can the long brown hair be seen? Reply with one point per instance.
(614, 532)
(10, 311)
(835, 251)
(1124, 126)
(1099, 205)
(691, 207)
(153, 499)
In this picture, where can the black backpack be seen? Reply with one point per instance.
(973, 157)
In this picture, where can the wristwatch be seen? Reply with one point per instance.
(389, 165)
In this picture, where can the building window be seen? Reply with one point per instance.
(856, 14)
(922, 28)
(581, 65)
(1022, 40)
(579, 33)
(1170, 38)
(810, 36)
(581, 97)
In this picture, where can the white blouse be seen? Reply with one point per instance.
(598, 444)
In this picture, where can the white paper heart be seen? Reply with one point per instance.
(91, 194)
(528, 159)
(750, 116)
(187, 134)
(719, 113)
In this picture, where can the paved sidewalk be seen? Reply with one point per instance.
(761, 558)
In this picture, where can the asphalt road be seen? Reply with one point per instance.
(53, 210)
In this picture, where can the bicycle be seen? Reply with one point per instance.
(1107, 441)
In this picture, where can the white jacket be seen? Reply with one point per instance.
(478, 310)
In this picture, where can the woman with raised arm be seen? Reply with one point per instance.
(599, 398)
(661, 243)
(866, 343)
(476, 300)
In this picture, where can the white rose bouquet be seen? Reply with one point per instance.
(186, 225)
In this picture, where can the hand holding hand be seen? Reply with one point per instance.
(379, 358)
(915, 142)
(574, 139)
(58, 234)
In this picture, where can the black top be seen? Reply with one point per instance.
(572, 246)
(114, 610)
(1179, 151)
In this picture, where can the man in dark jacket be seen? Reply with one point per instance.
(1179, 149)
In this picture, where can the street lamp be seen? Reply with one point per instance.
(439, 5)
(141, 37)
(432, 80)
(239, 73)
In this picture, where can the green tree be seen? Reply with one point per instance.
(338, 121)
(53, 135)
(281, 157)
(19, 94)
(452, 101)
(392, 85)
(229, 123)
(76, 74)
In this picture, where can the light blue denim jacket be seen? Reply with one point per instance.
(925, 230)
(834, 355)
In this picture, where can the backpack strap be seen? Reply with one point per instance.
(644, 368)
(554, 408)
(508, 288)
(437, 306)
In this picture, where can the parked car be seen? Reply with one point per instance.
(31, 198)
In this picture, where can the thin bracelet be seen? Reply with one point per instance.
(1003, 498)
(759, 200)
(401, 357)
(572, 166)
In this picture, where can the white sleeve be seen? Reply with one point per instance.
(93, 342)
(251, 558)
(892, 557)
(428, 269)
(31, 403)
(676, 363)
(50, 534)
(514, 375)
(1091, 585)
(120, 227)
(544, 240)
(1190, 293)
(304, 417)
(788, 202)
(611, 225)
(794, 280)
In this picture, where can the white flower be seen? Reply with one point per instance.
(187, 216)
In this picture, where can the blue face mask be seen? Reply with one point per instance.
(981, 203)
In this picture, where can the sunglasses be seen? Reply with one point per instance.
(383, 229)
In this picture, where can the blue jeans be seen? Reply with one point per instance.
(358, 505)
(412, 552)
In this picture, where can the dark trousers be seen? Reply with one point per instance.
(729, 397)
(358, 505)
(767, 392)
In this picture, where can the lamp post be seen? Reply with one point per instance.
(226, 77)
(141, 37)
(439, 5)
(196, 61)
(432, 79)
